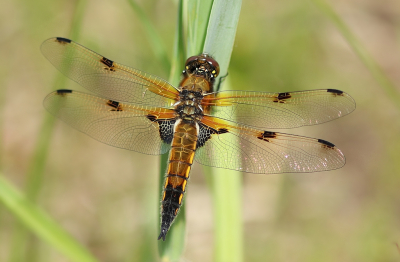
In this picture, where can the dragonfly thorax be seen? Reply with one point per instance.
(189, 105)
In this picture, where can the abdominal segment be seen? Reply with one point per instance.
(180, 161)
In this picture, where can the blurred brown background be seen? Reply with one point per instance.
(108, 198)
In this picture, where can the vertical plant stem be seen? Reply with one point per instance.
(20, 250)
(218, 40)
(172, 248)
(228, 229)
(198, 15)
(226, 184)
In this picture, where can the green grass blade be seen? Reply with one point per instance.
(77, 21)
(360, 50)
(154, 38)
(226, 184)
(40, 153)
(221, 32)
(227, 200)
(178, 55)
(172, 248)
(41, 224)
(198, 13)
(39, 157)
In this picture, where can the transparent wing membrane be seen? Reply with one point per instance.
(107, 78)
(256, 151)
(280, 110)
(113, 123)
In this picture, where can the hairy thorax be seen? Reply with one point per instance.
(189, 107)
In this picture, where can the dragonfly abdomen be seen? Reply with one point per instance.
(180, 162)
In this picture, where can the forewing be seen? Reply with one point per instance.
(138, 128)
(226, 145)
(279, 110)
(107, 78)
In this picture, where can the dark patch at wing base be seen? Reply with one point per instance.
(326, 143)
(166, 128)
(205, 133)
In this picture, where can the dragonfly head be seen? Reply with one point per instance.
(202, 65)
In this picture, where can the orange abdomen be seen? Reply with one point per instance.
(180, 162)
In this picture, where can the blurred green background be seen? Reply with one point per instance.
(108, 199)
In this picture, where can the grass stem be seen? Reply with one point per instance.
(360, 50)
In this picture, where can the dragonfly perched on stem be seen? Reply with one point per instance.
(144, 113)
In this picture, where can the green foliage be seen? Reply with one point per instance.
(39, 223)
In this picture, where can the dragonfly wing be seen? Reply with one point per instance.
(106, 77)
(142, 129)
(279, 110)
(226, 145)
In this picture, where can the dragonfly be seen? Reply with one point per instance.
(141, 112)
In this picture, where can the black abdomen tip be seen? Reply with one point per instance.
(163, 233)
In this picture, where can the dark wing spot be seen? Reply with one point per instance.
(222, 131)
(115, 105)
(109, 63)
(326, 143)
(165, 128)
(152, 118)
(335, 91)
(62, 40)
(267, 134)
(63, 92)
(282, 97)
